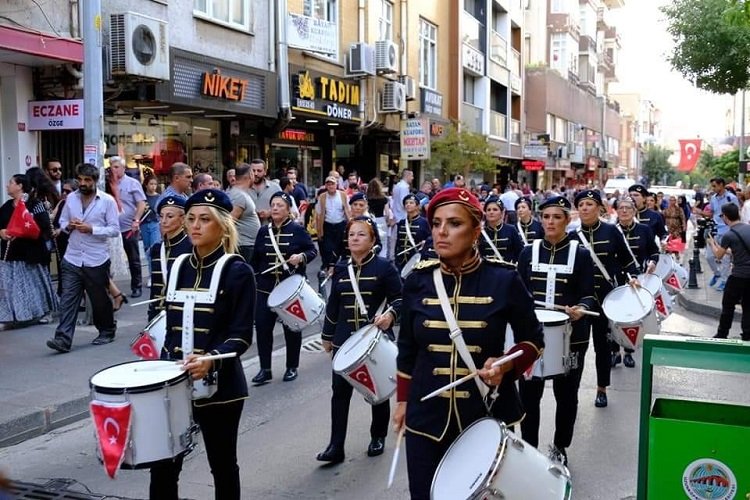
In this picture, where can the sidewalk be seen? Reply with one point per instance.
(704, 300)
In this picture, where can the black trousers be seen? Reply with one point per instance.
(600, 334)
(93, 280)
(736, 291)
(265, 320)
(219, 425)
(423, 456)
(342, 395)
(331, 245)
(565, 388)
(130, 242)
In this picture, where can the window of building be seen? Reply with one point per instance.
(468, 89)
(322, 9)
(427, 54)
(233, 13)
(385, 21)
(559, 7)
(558, 54)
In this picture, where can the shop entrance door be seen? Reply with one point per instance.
(306, 159)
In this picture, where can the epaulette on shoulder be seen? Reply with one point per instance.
(426, 264)
(499, 262)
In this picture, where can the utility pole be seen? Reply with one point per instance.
(741, 175)
(93, 103)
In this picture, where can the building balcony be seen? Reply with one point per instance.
(563, 23)
(610, 74)
(586, 45)
(498, 48)
(473, 32)
(611, 35)
(515, 62)
(498, 125)
(515, 132)
(471, 117)
(603, 20)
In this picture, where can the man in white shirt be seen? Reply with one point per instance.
(400, 190)
(509, 198)
(89, 216)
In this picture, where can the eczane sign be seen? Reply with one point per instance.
(56, 115)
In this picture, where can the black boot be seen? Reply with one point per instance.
(376, 447)
(331, 455)
(263, 376)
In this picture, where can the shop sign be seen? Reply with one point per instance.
(296, 135)
(415, 139)
(326, 96)
(313, 35)
(532, 165)
(431, 102)
(536, 150)
(214, 84)
(437, 129)
(56, 115)
(473, 60)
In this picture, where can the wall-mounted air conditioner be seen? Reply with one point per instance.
(361, 61)
(410, 86)
(138, 46)
(386, 56)
(393, 98)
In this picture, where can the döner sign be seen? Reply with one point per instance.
(56, 115)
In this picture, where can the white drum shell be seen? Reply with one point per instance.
(161, 418)
(625, 313)
(287, 293)
(477, 463)
(372, 348)
(409, 266)
(655, 285)
(667, 268)
(157, 330)
(556, 344)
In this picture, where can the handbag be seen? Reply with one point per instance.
(22, 223)
(675, 245)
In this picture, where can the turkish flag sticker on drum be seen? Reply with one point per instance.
(112, 425)
(661, 308)
(674, 282)
(631, 333)
(144, 347)
(296, 309)
(362, 376)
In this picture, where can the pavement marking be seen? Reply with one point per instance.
(315, 344)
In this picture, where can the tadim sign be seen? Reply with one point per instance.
(326, 96)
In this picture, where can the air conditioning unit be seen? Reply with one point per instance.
(572, 148)
(410, 86)
(138, 46)
(361, 60)
(386, 56)
(393, 98)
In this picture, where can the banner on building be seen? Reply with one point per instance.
(415, 139)
(690, 151)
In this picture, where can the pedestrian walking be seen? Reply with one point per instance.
(244, 210)
(262, 189)
(150, 232)
(719, 266)
(378, 205)
(180, 181)
(332, 210)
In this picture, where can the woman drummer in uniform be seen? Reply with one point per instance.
(498, 236)
(411, 232)
(175, 242)
(485, 296)
(529, 229)
(378, 283)
(571, 286)
(297, 249)
(226, 326)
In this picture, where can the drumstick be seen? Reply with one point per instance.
(471, 375)
(180, 363)
(143, 302)
(275, 266)
(394, 462)
(415, 247)
(562, 308)
(637, 295)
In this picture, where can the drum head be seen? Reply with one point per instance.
(354, 348)
(137, 377)
(650, 282)
(469, 461)
(284, 290)
(664, 266)
(551, 318)
(623, 305)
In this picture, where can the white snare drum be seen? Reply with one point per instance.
(662, 300)
(556, 344)
(157, 331)
(630, 318)
(367, 360)
(296, 303)
(674, 276)
(409, 266)
(162, 413)
(489, 461)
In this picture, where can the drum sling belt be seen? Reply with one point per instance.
(594, 257)
(494, 248)
(275, 244)
(188, 299)
(522, 233)
(360, 303)
(619, 228)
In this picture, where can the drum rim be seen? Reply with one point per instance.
(623, 287)
(139, 389)
(296, 291)
(563, 320)
(370, 346)
(157, 318)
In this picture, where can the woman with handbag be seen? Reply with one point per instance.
(377, 284)
(479, 297)
(25, 228)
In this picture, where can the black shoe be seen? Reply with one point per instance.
(628, 361)
(58, 344)
(331, 455)
(558, 455)
(616, 359)
(290, 374)
(720, 336)
(376, 447)
(262, 377)
(601, 399)
(136, 292)
(103, 339)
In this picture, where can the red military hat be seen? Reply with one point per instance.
(455, 195)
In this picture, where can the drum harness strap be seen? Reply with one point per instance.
(358, 296)
(457, 336)
(189, 298)
(594, 257)
(407, 226)
(522, 233)
(493, 247)
(619, 228)
(276, 247)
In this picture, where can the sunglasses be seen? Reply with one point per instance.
(55, 170)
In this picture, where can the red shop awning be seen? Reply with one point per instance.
(33, 48)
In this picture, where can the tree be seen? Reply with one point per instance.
(656, 167)
(711, 47)
(727, 166)
(462, 152)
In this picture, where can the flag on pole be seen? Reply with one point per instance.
(690, 151)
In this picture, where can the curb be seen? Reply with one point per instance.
(703, 308)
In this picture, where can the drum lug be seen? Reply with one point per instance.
(558, 470)
(487, 493)
(517, 443)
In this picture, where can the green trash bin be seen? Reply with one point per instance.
(698, 450)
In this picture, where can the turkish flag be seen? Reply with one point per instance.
(674, 282)
(22, 223)
(631, 333)
(661, 307)
(112, 426)
(362, 376)
(690, 151)
(296, 309)
(144, 347)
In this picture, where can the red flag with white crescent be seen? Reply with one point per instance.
(362, 376)
(631, 333)
(661, 307)
(674, 282)
(112, 426)
(296, 309)
(144, 347)
(690, 151)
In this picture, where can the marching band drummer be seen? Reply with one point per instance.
(171, 211)
(570, 284)
(358, 207)
(224, 327)
(497, 237)
(377, 281)
(485, 296)
(411, 231)
(643, 246)
(612, 260)
(297, 249)
(529, 228)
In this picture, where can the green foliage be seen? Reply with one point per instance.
(711, 47)
(702, 171)
(727, 166)
(462, 152)
(656, 166)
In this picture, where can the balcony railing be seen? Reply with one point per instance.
(471, 116)
(515, 132)
(472, 31)
(498, 125)
(499, 48)
(515, 62)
